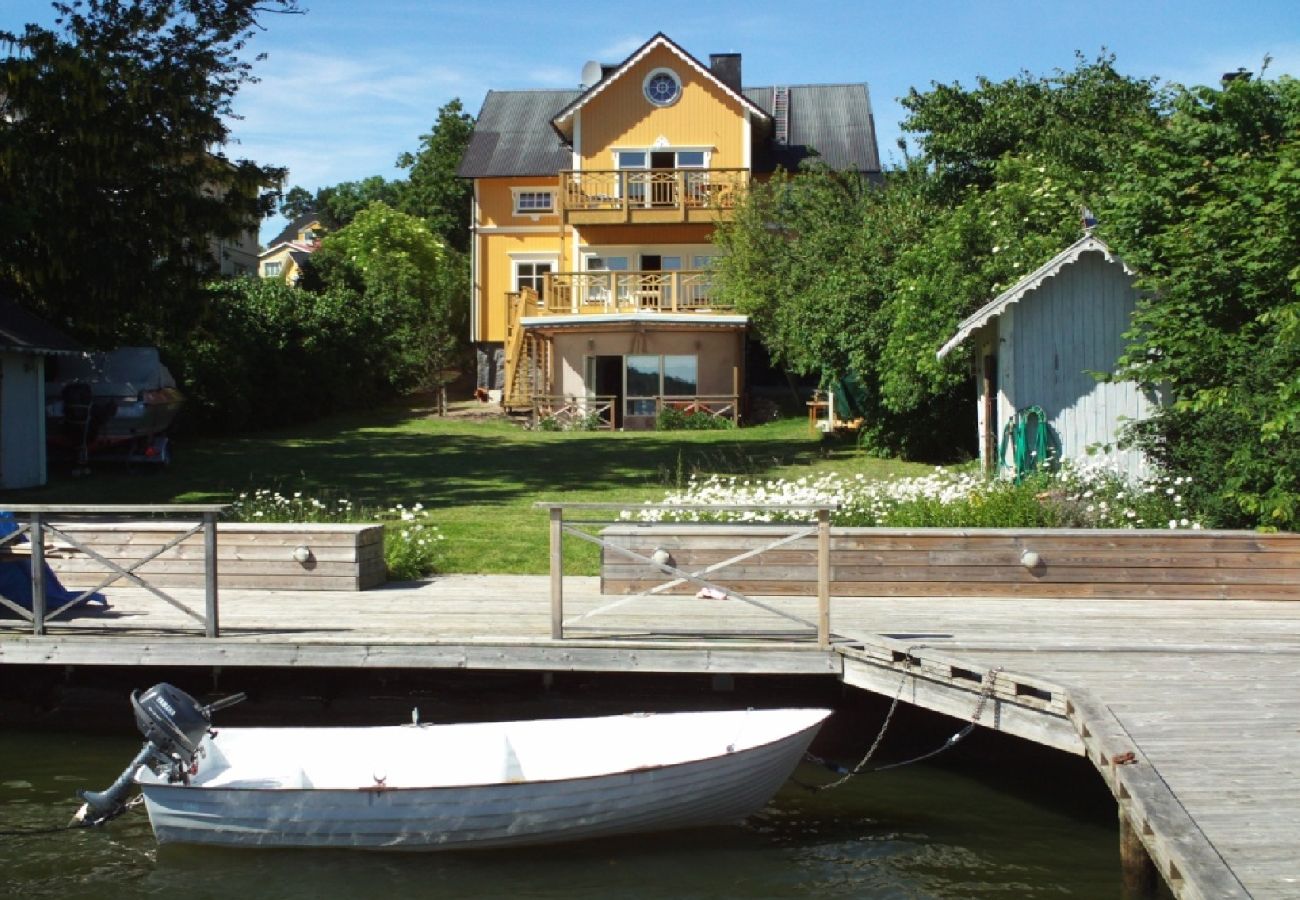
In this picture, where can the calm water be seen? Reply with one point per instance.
(996, 820)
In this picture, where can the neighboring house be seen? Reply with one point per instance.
(25, 342)
(236, 256)
(593, 220)
(288, 251)
(1040, 343)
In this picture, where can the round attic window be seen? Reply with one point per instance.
(662, 87)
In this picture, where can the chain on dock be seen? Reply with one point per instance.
(989, 683)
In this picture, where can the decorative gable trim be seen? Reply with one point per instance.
(659, 40)
(1089, 243)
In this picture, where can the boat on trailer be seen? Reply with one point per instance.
(444, 787)
(115, 405)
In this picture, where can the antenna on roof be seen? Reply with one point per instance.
(591, 71)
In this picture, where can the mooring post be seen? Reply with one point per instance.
(210, 572)
(824, 577)
(38, 574)
(557, 573)
(1138, 877)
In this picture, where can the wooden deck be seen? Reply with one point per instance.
(1202, 693)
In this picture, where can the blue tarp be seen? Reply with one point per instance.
(16, 580)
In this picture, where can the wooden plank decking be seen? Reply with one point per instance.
(1202, 693)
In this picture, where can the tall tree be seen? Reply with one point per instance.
(872, 282)
(1011, 164)
(407, 284)
(340, 204)
(112, 173)
(434, 192)
(297, 201)
(1207, 210)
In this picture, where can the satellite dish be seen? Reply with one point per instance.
(590, 73)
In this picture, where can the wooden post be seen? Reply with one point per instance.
(557, 573)
(735, 393)
(210, 572)
(824, 577)
(1139, 879)
(38, 574)
(989, 387)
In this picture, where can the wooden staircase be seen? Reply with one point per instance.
(528, 357)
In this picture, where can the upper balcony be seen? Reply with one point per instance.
(650, 196)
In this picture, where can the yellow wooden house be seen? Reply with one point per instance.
(285, 255)
(593, 218)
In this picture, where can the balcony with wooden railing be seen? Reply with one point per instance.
(610, 292)
(645, 196)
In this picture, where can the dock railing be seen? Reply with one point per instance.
(42, 523)
(785, 532)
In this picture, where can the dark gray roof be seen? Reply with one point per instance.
(513, 135)
(22, 332)
(830, 122)
(290, 232)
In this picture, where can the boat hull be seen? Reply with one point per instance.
(689, 794)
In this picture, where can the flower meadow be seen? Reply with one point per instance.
(1091, 493)
(412, 543)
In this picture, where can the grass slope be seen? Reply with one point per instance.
(480, 478)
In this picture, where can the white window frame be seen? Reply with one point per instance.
(617, 154)
(651, 75)
(518, 259)
(534, 213)
(273, 268)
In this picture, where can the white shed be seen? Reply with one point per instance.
(1040, 343)
(25, 342)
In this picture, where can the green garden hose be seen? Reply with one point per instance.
(1028, 436)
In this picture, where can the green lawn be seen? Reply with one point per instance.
(479, 478)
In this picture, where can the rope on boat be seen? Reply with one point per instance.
(989, 682)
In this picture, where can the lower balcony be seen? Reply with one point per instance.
(605, 293)
(609, 412)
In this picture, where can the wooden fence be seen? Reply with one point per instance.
(300, 556)
(938, 562)
(41, 532)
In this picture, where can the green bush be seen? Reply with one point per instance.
(671, 418)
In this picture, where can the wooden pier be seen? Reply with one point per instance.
(1189, 709)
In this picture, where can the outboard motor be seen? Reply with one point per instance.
(173, 724)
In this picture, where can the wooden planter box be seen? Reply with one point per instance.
(944, 562)
(249, 555)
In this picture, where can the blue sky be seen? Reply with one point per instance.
(353, 83)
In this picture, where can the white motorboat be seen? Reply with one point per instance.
(435, 787)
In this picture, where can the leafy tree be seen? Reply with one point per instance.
(340, 204)
(1207, 209)
(871, 282)
(810, 258)
(1011, 165)
(1074, 118)
(297, 201)
(112, 176)
(406, 283)
(434, 191)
